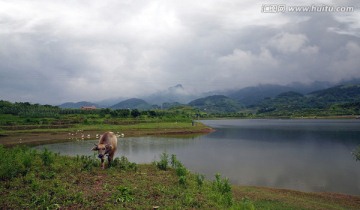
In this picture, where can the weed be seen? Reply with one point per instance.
(200, 179)
(15, 162)
(123, 195)
(164, 161)
(182, 180)
(47, 175)
(47, 157)
(222, 189)
(221, 185)
(181, 171)
(246, 204)
(175, 163)
(88, 162)
(124, 164)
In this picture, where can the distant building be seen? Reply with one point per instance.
(88, 107)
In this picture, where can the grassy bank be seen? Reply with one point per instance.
(43, 180)
(78, 131)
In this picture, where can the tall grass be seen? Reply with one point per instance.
(15, 162)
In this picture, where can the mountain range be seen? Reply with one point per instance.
(265, 98)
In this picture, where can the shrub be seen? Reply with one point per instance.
(164, 161)
(88, 162)
(47, 157)
(200, 179)
(223, 188)
(16, 161)
(221, 185)
(123, 195)
(123, 163)
(246, 204)
(181, 171)
(182, 180)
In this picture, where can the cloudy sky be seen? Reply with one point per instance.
(67, 50)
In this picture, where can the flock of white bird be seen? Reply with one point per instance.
(80, 135)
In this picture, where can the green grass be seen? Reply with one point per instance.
(44, 180)
(52, 181)
(131, 126)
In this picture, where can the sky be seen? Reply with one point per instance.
(58, 51)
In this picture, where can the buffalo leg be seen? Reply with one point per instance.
(102, 163)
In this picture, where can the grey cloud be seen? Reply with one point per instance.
(64, 51)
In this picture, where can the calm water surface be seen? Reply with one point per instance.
(307, 155)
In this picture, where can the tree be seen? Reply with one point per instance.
(135, 113)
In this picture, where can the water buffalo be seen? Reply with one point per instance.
(106, 146)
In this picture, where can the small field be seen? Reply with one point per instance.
(44, 180)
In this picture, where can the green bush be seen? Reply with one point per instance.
(88, 162)
(181, 171)
(16, 161)
(123, 163)
(200, 179)
(182, 180)
(223, 189)
(47, 157)
(164, 161)
(222, 185)
(123, 195)
(246, 204)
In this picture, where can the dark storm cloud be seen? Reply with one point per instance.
(59, 51)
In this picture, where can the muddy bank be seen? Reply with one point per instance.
(37, 138)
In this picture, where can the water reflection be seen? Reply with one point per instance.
(307, 155)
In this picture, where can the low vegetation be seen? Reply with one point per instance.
(32, 179)
(43, 180)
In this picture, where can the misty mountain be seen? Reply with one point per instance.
(347, 97)
(172, 94)
(77, 105)
(216, 104)
(109, 102)
(340, 93)
(255, 94)
(133, 103)
(252, 95)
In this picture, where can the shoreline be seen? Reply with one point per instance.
(33, 138)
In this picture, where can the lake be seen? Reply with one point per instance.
(307, 155)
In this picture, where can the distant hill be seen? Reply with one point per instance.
(252, 95)
(341, 99)
(216, 104)
(77, 105)
(340, 93)
(109, 102)
(133, 103)
(290, 95)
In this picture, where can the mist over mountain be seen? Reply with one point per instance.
(172, 94)
(110, 102)
(254, 94)
(178, 95)
(77, 105)
(216, 104)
